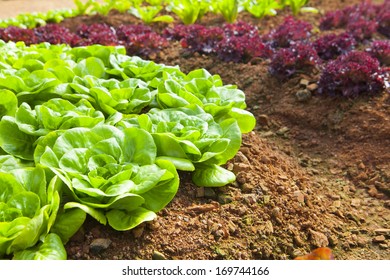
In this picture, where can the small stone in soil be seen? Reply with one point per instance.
(382, 231)
(318, 239)
(224, 199)
(355, 202)
(304, 82)
(202, 208)
(312, 87)
(379, 239)
(99, 244)
(303, 95)
(263, 120)
(138, 231)
(267, 134)
(250, 199)
(158, 256)
(283, 130)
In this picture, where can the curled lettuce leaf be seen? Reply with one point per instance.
(189, 136)
(109, 169)
(28, 209)
(56, 114)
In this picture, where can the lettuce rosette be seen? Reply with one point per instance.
(20, 130)
(113, 175)
(201, 88)
(191, 139)
(29, 208)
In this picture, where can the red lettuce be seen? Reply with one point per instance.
(351, 75)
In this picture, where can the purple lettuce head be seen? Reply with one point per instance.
(15, 34)
(380, 49)
(286, 62)
(289, 32)
(351, 75)
(331, 46)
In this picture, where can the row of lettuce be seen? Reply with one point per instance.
(90, 130)
(149, 11)
(358, 44)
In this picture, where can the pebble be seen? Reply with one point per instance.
(158, 256)
(379, 239)
(337, 203)
(312, 87)
(250, 199)
(276, 212)
(99, 245)
(202, 208)
(300, 197)
(319, 239)
(372, 191)
(240, 157)
(265, 160)
(224, 198)
(241, 167)
(241, 178)
(268, 134)
(263, 120)
(283, 130)
(304, 82)
(247, 188)
(231, 227)
(355, 202)
(138, 231)
(361, 241)
(382, 231)
(303, 95)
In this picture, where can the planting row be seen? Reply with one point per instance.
(188, 11)
(90, 130)
(290, 47)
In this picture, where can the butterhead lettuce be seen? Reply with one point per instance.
(110, 171)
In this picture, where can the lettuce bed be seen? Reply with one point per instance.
(90, 130)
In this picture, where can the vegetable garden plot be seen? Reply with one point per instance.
(75, 115)
(274, 208)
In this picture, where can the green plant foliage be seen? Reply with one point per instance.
(108, 169)
(261, 8)
(228, 9)
(148, 14)
(188, 11)
(29, 204)
(90, 130)
(31, 20)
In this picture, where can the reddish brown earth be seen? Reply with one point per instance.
(312, 174)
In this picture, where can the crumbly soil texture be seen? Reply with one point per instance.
(313, 173)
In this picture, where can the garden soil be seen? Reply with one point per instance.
(315, 171)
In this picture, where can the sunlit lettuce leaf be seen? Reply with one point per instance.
(106, 168)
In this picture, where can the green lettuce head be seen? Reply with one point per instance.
(111, 174)
(28, 210)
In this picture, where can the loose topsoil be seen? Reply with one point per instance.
(313, 173)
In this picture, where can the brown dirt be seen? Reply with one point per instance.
(312, 174)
